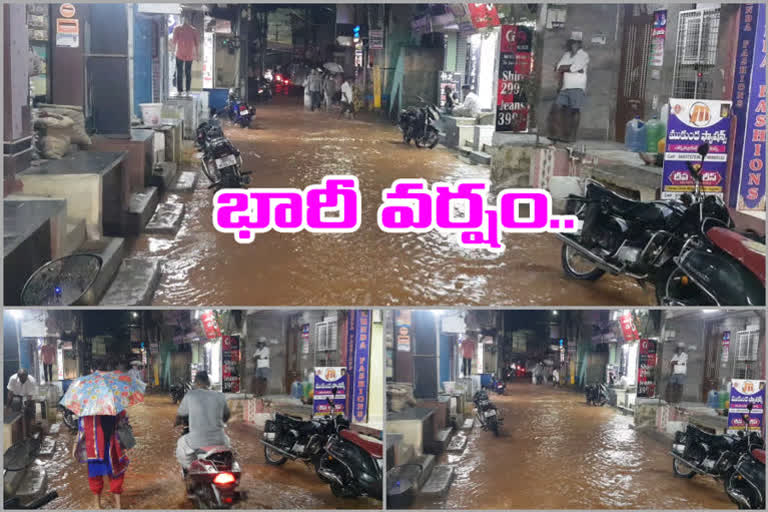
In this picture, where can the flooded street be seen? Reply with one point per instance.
(289, 147)
(555, 452)
(153, 479)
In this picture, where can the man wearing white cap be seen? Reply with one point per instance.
(572, 68)
(679, 364)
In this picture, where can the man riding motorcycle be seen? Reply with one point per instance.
(207, 412)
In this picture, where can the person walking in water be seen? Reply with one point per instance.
(347, 99)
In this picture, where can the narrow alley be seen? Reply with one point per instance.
(153, 479)
(555, 452)
(289, 147)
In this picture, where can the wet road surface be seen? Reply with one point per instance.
(555, 452)
(153, 479)
(290, 147)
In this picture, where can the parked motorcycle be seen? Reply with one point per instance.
(498, 386)
(352, 464)
(221, 160)
(70, 419)
(240, 113)
(419, 124)
(213, 477)
(179, 389)
(486, 412)
(687, 248)
(746, 485)
(596, 394)
(290, 438)
(264, 91)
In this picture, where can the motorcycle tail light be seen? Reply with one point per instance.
(684, 280)
(224, 479)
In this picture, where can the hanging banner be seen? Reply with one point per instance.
(658, 36)
(726, 346)
(751, 165)
(484, 15)
(628, 329)
(362, 365)
(210, 325)
(305, 339)
(744, 392)
(349, 356)
(403, 328)
(646, 369)
(326, 379)
(376, 39)
(230, 359)
(515, 66)
(68, 32)
(692, 123)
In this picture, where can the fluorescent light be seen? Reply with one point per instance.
(710, 311)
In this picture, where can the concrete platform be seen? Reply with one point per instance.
(458, 443)
(166, 220)
(134, 284)
(185, 182)
(112, 252)
(468, 424)
(440, 481)
(402, 485)
(55, 428)
(164, 175)
(74, 235)
(443, 437)
(33, 485)
(141, 208)
(48, 447)
(427, 463)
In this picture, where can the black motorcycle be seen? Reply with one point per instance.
(419, 124)
(221, 160)
(746, 484)
(70, 419)
(179, 389)
(264, 91)
(291, 438)
(487, 413)
(352, 465)
(687, 248)
(596, 394)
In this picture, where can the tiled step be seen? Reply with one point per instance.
(164, 175)
(458, 443)
(135, 283)
(112, 251)
(141, 208)
(166, 220)
(440, 481)
(185, 182)
(468, 424)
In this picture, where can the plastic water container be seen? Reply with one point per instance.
(634, 138)
(151, 113)
(713, 401)
(654, 131)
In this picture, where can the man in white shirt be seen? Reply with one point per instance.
(347, 99)
(679, 366)
(572, 67)
(263, 370)
(470, 107)
(22, 386)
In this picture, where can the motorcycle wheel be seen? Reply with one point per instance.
(406, 139)
(685, 472)
(343, 492)
(493, 424)
(214, 176)
(271, 460)
(432, 139)
(570, 261)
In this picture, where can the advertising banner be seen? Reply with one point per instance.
(376, 39)
(210, 325)
(68, 32)
(515, 66)
(305, 339)
(349, 357)
(403, 329)
(362, 365)
(658, 36)
(752, 161)
(646, 370)
(484, 15)
(326, 379)
(628, 329)
(230, 359)
(692, 123)
(726, 346)
(449, 79)
(744, 392)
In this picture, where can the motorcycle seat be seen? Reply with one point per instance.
(372, 447)
(759, 455)
(748, 252)
(625, 205)
(207, 451)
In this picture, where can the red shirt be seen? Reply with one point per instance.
(185, 38)
(468, 348)
(49, 354)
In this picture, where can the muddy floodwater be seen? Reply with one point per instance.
(290, 147)
(555, 452)
(153, 479)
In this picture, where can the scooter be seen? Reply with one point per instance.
(487, 413)
(352, 464)
(596, 394)
(240, 113)
(213, 477)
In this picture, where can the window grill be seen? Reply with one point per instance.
(327, 336)
(696, 54)
(746, 360)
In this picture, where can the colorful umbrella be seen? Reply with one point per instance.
(103, 393)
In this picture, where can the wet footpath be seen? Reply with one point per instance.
(153, 479)
(555, 452)
(289, 147)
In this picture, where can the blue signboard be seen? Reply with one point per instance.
(351, 329)
(362, 365)
(328, 378)
(751, 165)
(744, 392)
(691, 123)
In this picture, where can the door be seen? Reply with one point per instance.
(633, 75)
(712, 358)
(292, 371)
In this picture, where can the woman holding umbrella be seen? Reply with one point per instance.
(104, 434)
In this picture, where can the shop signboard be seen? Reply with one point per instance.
(230, 358)
(362, 365)
(658, 36)
(305, 339)
(326, 379)
(744, 392)
(515, 66)
(403, 329)
(692, 123)
(628, 329)
(68, 32)
(646, 369)
(752, 161)
(726, 346)
(210, 325)
(484, 15)
(349, 357)
(376, 39)
(449, 79)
